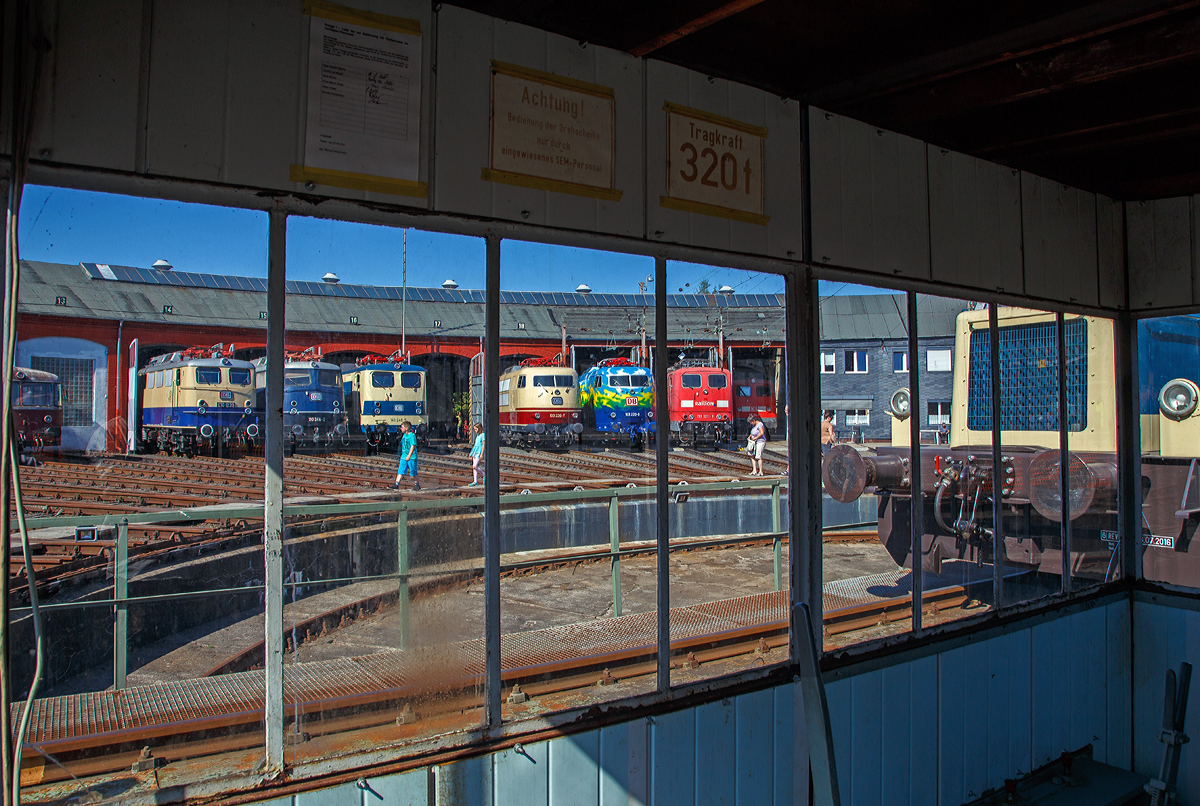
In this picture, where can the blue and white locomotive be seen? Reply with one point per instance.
(616, 399)
(199, 400)
(314, 410)
(380, 394)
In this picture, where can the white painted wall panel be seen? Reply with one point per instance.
(87, 109)
(974, 221)
(1059, 225)
(1163, 637)
(783, 236)
(1110, 247)
(467, 42)
(1160, 251)
(869, 196)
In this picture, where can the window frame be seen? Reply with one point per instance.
(848, 369)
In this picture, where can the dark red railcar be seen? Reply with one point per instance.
(37, 409)
(700, 398)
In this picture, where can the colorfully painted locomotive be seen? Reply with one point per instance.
(37, 409)
(616, 399)
(380, 394)
(314, 412)
(700, 399)
(199, 400)
(539, 405)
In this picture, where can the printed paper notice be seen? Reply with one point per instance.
(364, 98)
(715, 165)
(551, 133)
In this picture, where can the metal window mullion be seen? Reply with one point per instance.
(662, 476)
(804, 488)
(1129, 457)
(916, 521)
(1064, 454)
(491, 482)
(998, 544)
(273, 494)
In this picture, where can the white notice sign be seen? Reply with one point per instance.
(551, 133)
(364, 101)
(715, 165)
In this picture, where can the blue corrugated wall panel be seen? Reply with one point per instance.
(943, 728)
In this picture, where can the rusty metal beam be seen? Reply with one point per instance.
(691, 26)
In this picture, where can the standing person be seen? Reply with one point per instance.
(828, 439)
(477, 455)
(408, 456)
(758, 437)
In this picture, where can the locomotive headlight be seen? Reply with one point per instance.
(612, 414)
(47, 418)
(650, 414)
(537, 415)
(202, 407)
(901, 404)
(377, 409)
(293, 411)
(293, 406)
(1178, 398)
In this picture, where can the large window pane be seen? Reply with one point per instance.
(1169, 374)
(577, 432)
(866, 505)
(134, 427)
(383, 605)
(726, 390)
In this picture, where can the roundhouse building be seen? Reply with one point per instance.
(91, 323)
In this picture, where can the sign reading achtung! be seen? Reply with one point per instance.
(715, 165)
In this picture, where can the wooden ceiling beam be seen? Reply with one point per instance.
(691, 26)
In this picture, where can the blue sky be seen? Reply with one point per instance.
(73, 226)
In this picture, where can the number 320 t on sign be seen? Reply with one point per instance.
(714, 165)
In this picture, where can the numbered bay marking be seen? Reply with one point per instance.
(715, 165)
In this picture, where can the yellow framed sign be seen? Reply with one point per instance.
(715, 165)
(549, 132)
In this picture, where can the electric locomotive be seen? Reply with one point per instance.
(752, 394)
(314, 412)
(381, 393)
(959, 481)
(700, 399)
(616, 399)
(37, 409)
(199, 400)
(539, 404)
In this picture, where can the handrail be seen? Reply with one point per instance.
(212, 512)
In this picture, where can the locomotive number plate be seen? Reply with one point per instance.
(1154, 541)
(226, 394)
(226, 405)
(314, 396)
(631, 401)
(556, 401)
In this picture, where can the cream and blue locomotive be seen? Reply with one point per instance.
(381, 393)
(616, 399)
(199, 400)
(314, 410)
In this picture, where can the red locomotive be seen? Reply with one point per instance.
(700, 398)
(753, 395)
(37, 409)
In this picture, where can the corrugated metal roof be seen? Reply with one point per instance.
(214, 300)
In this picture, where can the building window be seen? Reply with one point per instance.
(900, 362)
(938, 360)
(828, 363)
(76, 376)
(939, 412)
(858, 417)
(856, 361)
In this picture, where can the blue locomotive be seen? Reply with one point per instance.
(314, 410)
(198, 401)
(616, 399)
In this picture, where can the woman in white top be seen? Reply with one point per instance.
(758, 436)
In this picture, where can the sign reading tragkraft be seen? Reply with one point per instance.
(551, 133)
(715, 165)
